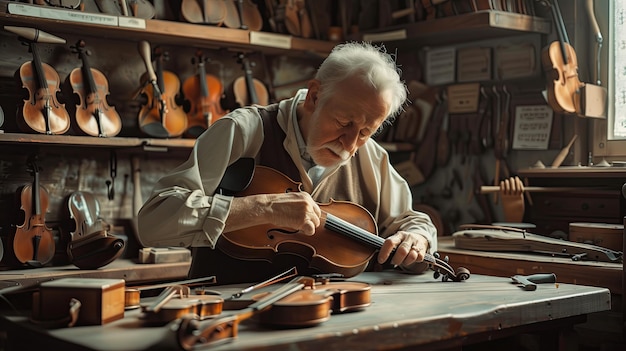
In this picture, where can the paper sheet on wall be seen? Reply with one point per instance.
(532, 127)
(440, 66)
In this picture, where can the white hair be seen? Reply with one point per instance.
(370, 63)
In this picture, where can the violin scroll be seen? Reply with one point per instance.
(444, 270)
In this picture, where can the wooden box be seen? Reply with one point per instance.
(606, 235)
(102, 300)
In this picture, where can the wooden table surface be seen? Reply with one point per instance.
(406, 311)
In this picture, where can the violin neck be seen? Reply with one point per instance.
(560, 28)
(159, 73)
(204, 88)
(361, 235)
(352, 231)
(36, 199)
(254, 99)
(88, 76)
(37, 66)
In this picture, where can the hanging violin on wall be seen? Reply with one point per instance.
(42, 112)
(132, 8)
(33, 242)
(561, 67)
(242, 14)
(160, 116)
(246, 89)
(204, 92)
(203, 11)
(93, 115)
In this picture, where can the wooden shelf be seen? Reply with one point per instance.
(89, 141)
(574, 172)
(171, 33)
(462, 28)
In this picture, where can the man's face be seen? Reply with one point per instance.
(342, 123)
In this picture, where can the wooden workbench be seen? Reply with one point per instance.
(406, 311)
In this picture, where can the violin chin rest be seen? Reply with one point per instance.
(95, 250)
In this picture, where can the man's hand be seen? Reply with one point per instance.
(294, 210)
(410, 248)
(512, 196)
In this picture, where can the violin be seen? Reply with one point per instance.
(315, 303)
(248, 90)
(128, 8)
(297, 19)
(242, 14)
(33, 242)
(93, 115)
(42, 112)
(204, 92)
(176, 302)
(132, 295)
(344, 243)
(203, 11)
(160, 116)
(561, 67)
(191, 332)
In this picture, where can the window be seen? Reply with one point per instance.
(609, 138)
(617, 125)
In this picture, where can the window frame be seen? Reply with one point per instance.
(602, 146)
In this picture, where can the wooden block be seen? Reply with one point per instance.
(102, 300)
(164, 255)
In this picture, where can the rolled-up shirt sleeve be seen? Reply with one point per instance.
(184, 209)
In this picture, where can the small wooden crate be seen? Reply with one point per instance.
(102, 300)
(601, 234)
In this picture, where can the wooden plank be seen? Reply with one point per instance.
(602, 274)
(122, 269)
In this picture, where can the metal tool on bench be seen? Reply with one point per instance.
(529, 282)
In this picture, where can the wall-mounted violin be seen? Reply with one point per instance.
(42, 112)
(246, 89)
(561, 67)
(204, 93)
(33, 242)
(93, 114)
(161, 116)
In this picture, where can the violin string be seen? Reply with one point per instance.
(346, 228)
(343, 227)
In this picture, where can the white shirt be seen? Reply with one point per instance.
(183, 209)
